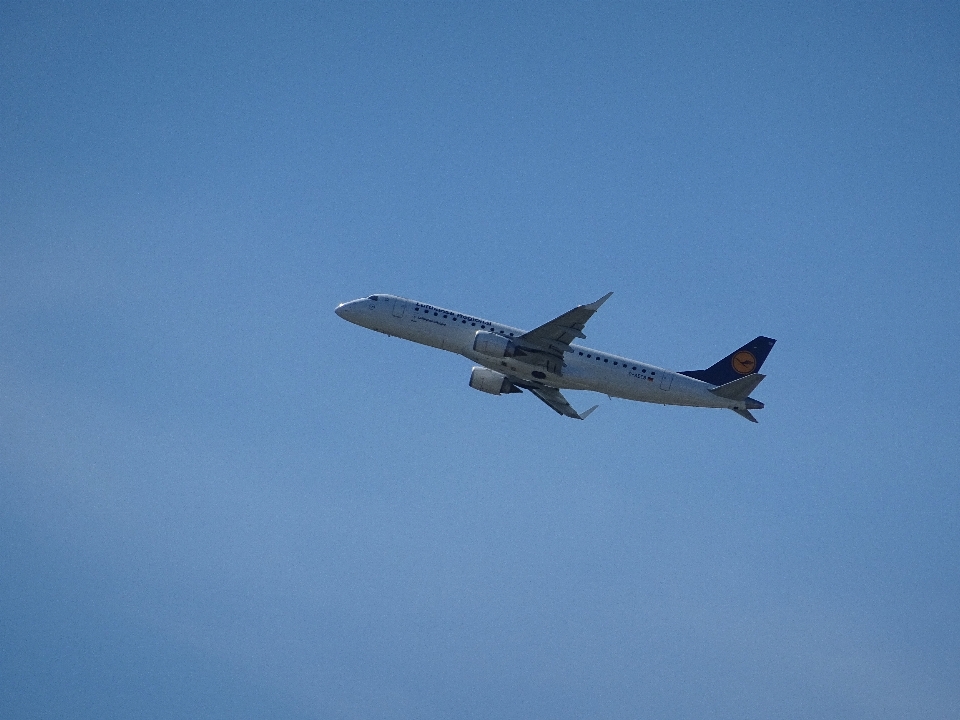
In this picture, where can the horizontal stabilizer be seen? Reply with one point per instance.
(739, 389)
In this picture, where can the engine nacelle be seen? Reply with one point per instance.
(490, 381)
(493, 345)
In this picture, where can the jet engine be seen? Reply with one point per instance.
(488, 343)
(490, 381)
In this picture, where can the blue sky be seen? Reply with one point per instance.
(220, 500)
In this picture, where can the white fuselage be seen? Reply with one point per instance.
(584, 368)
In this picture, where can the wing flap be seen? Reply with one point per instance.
(555, 399)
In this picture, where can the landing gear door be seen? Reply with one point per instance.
(398, 307)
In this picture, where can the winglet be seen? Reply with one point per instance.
(585, 415)
(743, 412)
(596, 305)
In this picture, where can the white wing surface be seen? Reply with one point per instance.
(550, 341)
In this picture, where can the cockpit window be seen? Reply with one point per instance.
(373, 297)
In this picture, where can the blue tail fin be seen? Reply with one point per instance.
(745, 361)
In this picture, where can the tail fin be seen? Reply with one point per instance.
(745, 361)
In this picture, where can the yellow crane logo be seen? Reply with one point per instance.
(744, 362)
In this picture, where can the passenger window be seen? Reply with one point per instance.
(606, 360)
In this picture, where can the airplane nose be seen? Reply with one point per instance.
(348, 311)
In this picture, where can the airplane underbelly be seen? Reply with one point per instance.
(644, 388)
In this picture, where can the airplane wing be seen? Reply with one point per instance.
(553, 339)
(555, 399)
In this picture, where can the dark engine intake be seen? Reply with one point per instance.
(493, 345)
(490, 381)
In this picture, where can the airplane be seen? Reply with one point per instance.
(545, 361)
